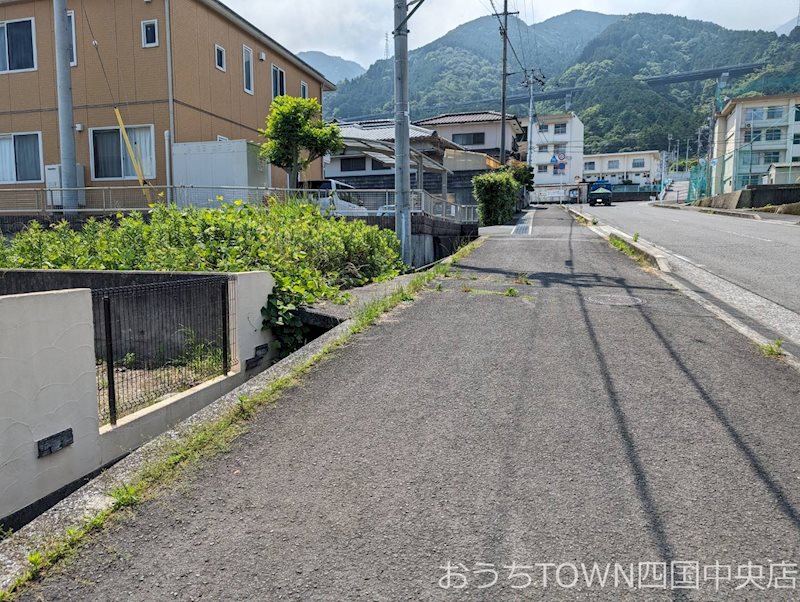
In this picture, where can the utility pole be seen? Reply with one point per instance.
(66, 123)
(402, 144)
(669, 151)
(686, 164)
(699, 134)
(531, 79)
(504, 84)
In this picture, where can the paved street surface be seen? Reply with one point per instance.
(760, 257)
(599, 416)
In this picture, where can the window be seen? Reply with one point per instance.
(559, 149)
(17, 46)
(278, 82)
(353, 164)
(303, 90)
(797, 112)
(774, 112)
(247, 62)
(150, 34)
(795, 159)
(560, 128)
(613, 164)
(637, 163)
(543, 127)
(472, 139)
(773, 134)
(379, 165)
(222, 138)
(748, 180)
(20, 158)
(751, 135)
(219, 57)
(73, 56)
(796, 139)
(754, 114)
(770, 157)
(109, 154)
(542, 168)
(589, 166)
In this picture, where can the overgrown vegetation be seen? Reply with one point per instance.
(311, 256)
(497, 193)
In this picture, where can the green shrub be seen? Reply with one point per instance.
(497, 194)
(311, 256)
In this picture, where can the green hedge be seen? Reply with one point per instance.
(497, 194)
(311, 256)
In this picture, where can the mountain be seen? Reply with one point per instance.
(607, 56)
(463, 66)
(618, 110)
(335, 68)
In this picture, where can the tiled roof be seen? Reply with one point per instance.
(382, 130)
(453, 118)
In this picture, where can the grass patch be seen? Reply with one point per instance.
(511, 292)
(635, 237)
(628, 249)
(210, 439)
(773, 349)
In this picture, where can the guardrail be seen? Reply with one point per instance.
(111, 200)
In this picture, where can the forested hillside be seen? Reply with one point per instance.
(607, 55)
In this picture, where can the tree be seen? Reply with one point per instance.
(296, 135)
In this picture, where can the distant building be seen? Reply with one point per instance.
(750, 134)
(558, 148)
(479, 132)
(638, 167)
(783, 173)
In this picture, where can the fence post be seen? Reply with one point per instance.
(226, 358)
(112, 392)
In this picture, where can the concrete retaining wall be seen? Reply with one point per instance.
(48, 385)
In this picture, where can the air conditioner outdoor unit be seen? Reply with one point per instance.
(53, 183)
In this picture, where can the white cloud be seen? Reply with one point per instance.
(356, 29)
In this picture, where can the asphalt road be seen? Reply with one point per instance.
(762, 257)
(596, 417)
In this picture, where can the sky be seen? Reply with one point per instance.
(356, 29)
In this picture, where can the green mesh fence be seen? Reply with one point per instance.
(698, 183)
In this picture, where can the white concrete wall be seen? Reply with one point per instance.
(47, 385)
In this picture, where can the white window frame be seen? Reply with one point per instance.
(637, 163)
(74, 61)
(33, 40)
(303, 89)
(613, 164)
(557, 127)
(587, 164)
(41, 158)
(148, 175)
(145, 23)
(245, 50)
(280, 71)
(221, 138)
(224, 66)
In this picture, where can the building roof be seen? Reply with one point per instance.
(456, 118)
(732, 102)
(645, 152)
(383, 130)
(232, 15)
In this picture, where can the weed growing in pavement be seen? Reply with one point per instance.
(522, 278)
(773, 349)
(438, 288)
(594, 221)
(466, 288)
(635, 237)
(628, 249)
(511, 292)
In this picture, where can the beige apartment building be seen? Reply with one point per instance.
(193, 68)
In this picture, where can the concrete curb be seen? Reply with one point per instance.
(730, 213)
(651, 254)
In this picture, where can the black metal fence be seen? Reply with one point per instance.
(155, 340)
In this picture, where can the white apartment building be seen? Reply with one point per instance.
(479, 132)
(558, 149)
(639, 167)
(750, 134)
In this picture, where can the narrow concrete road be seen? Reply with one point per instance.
(597, 417)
